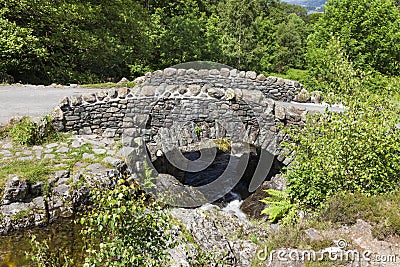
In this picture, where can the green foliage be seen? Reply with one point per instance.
(198, 130)
(278, 205)
(177, 32)
(291, 38)
(32, 170)
(42, 256)
(368, 32)
(303, 76)
(93, 41)
(27, 132)
(238, 29)
(125, 228)
(18, 46)
(224, 144)
(108, 85)
(70, 41)
(24, 132)
(356, 151)
(382, 211)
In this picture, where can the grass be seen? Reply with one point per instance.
(31, 170)
(292, 74)
(294, 236)
(39, 170)
(24, 133)
(108, 85)
(28, 132)
(382, 211)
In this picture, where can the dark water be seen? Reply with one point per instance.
(64, 235)
(213, 172)
(61, 236)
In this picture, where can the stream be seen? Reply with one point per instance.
(64, 234)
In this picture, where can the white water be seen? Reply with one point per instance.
(234, 206)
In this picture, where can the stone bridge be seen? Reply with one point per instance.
(174, 109)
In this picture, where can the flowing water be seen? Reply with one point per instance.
(64, 235)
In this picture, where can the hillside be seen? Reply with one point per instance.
(310, 5)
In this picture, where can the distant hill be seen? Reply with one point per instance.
(310, 5)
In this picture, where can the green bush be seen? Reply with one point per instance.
(125, 229)
(28, 132)
(24, 132)
(356, 151)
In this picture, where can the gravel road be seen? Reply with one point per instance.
(34, 101)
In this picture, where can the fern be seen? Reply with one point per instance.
(278, 205)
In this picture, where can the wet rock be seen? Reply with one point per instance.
(252, 205)
(16, 190)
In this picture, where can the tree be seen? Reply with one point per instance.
(238, 32)
(18, 47)
(368, 31)
(291, 38)
(177, 33)
(78, 41)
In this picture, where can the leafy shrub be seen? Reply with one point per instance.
(198, 130)
(370, 46)
(125, 229)
(382, 211)
(355, 151)
(24, 132)
(27, 132)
